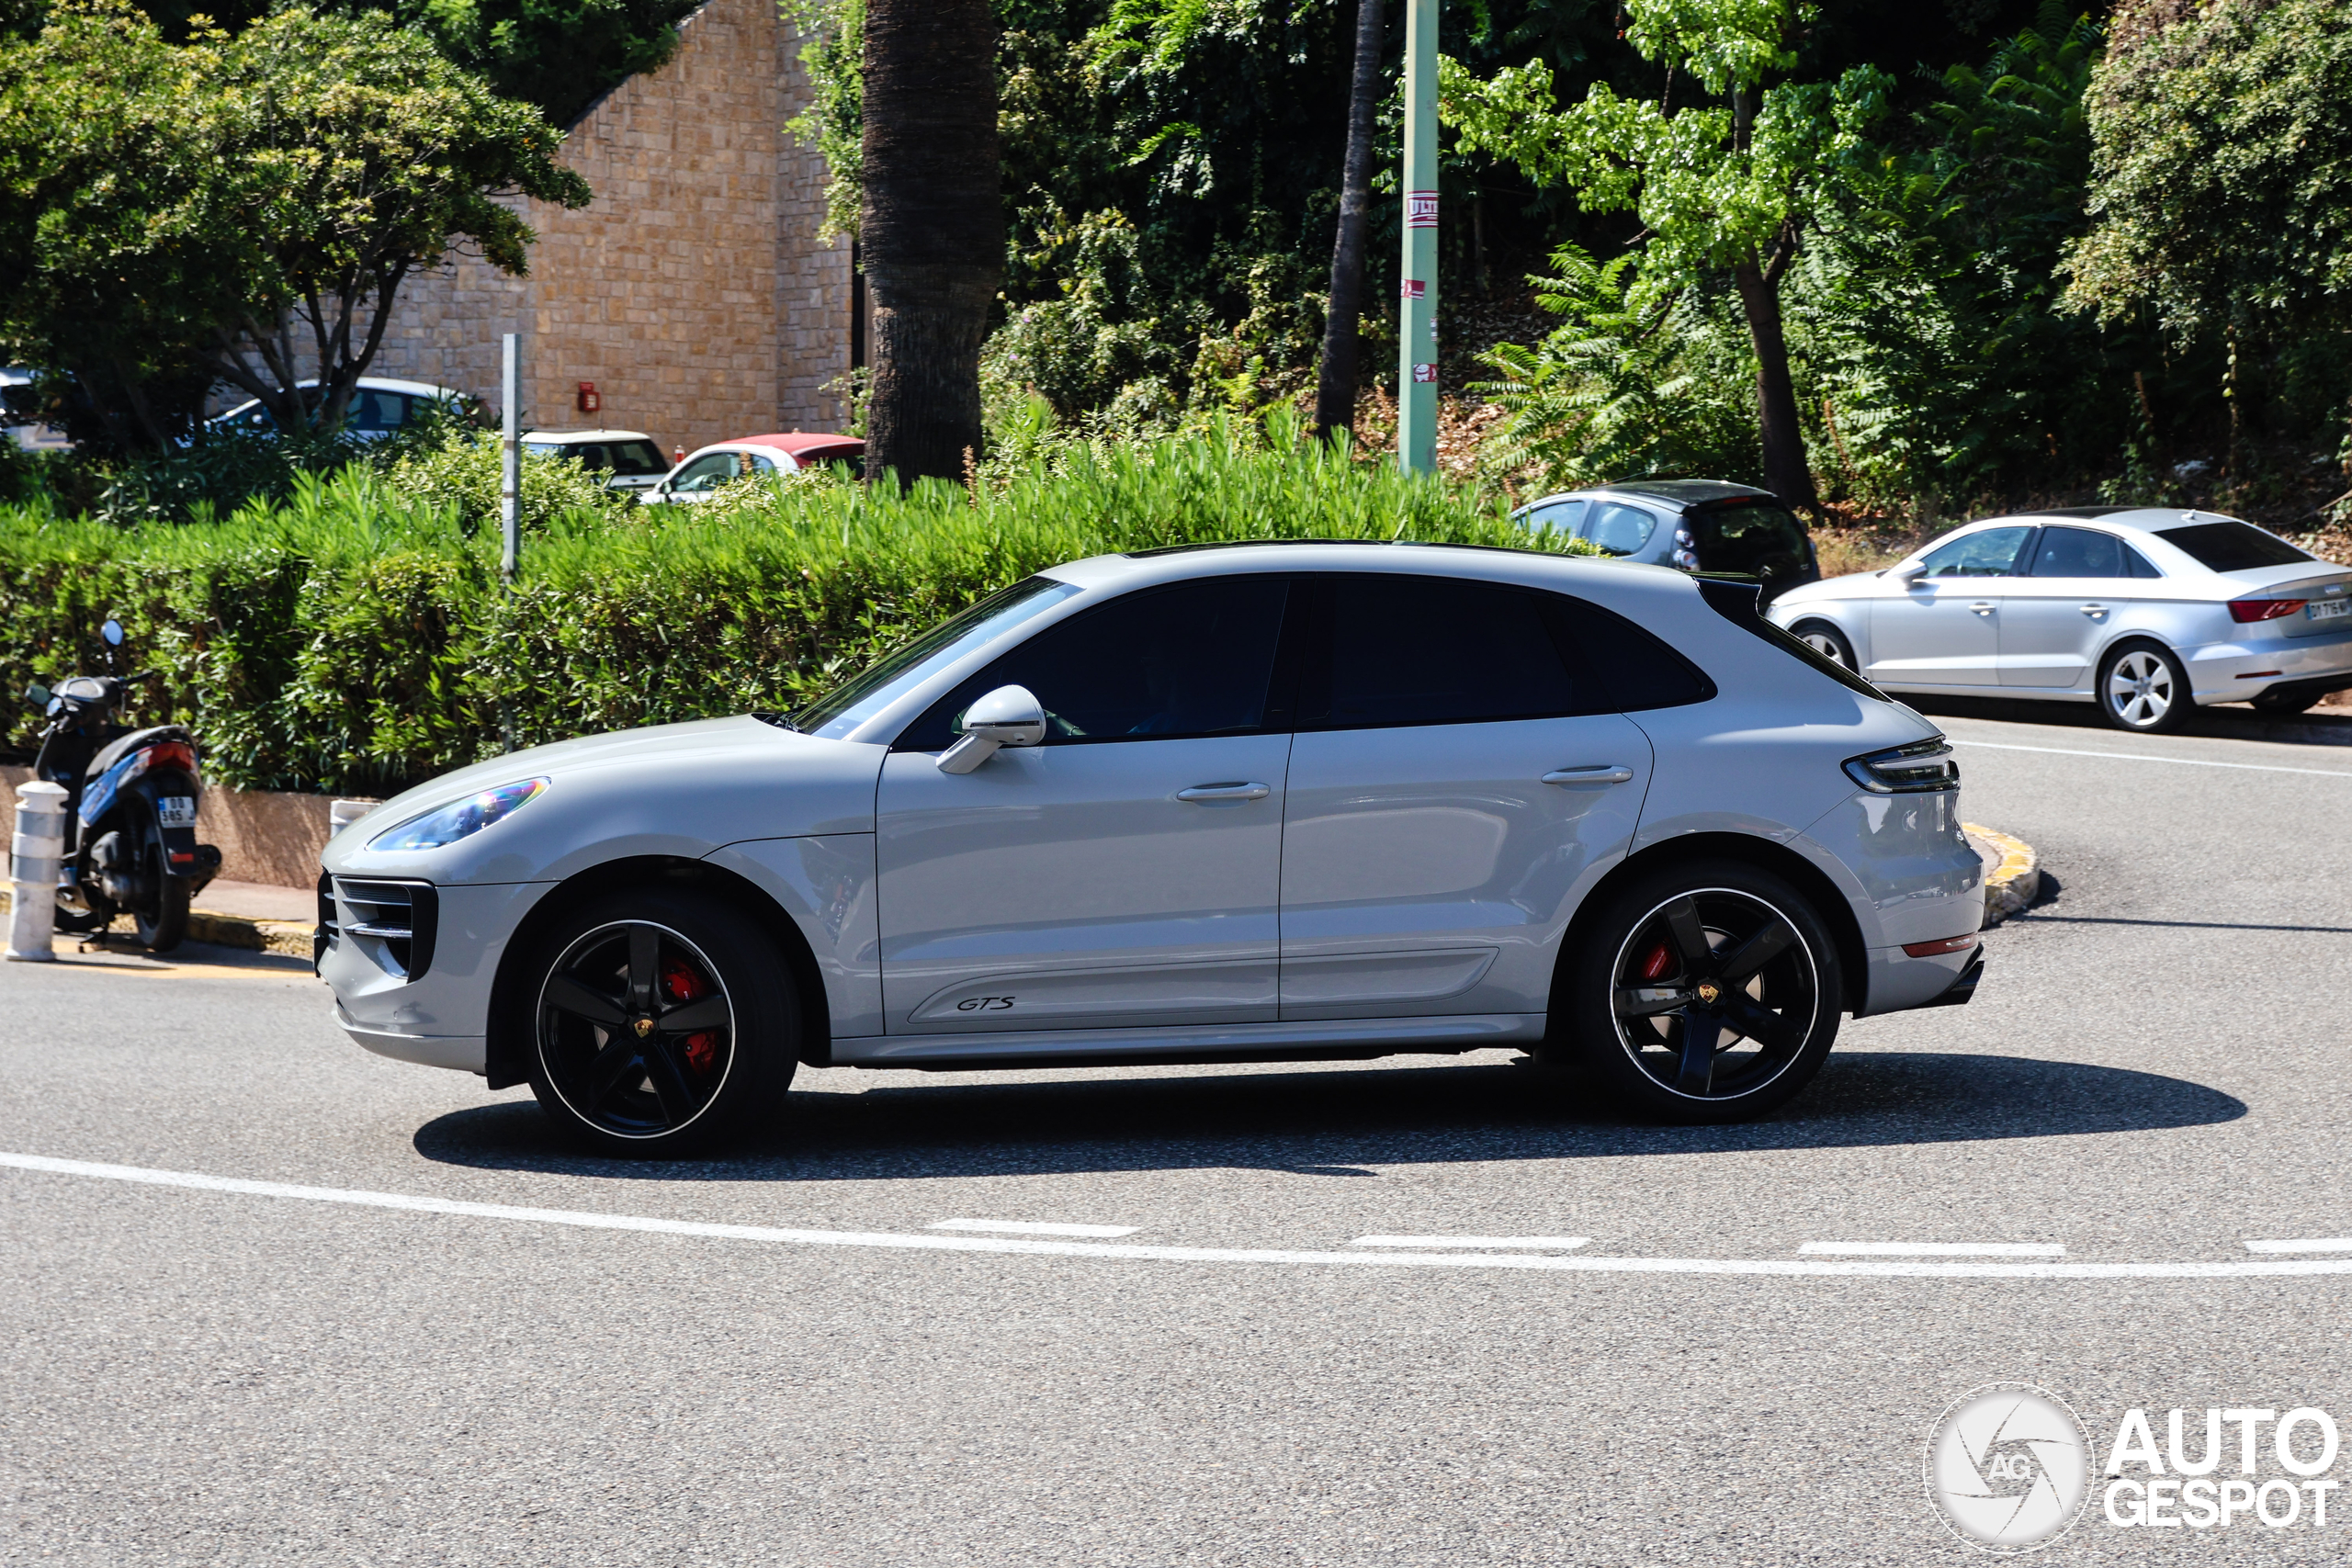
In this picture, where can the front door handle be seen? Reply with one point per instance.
(2094, 611)
(1983, 607)
(1216, 792)
(1591, 773)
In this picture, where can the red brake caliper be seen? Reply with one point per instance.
(1659, 964)
(682, 984)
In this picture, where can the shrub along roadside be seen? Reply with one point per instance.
(355, 640)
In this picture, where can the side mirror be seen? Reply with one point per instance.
(1009, 715)
(112, 632)
(1911, 572)
(37, 695)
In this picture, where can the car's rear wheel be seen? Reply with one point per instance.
(2143, 688)
(1706, 993)
(1827, 641)
(661, 1025)
(2281, 703)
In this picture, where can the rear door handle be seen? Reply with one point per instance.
(1591, 773)
(1983, 607)
(2094, 611)
(1224, 792)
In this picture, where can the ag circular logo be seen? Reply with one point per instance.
(2008, 1466)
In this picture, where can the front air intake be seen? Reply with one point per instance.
(393, 922)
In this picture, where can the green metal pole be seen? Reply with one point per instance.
(1417, 345)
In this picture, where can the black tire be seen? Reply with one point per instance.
(2143, 689)
(162, 921)
(1731, 948)
(2282, 705)
(1827, 641)
(610, 998)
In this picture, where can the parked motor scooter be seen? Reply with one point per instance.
(131, 798)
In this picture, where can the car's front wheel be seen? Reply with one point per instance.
(661, 1024)
(1706, 993)
(2143, 689)
(1827, 641)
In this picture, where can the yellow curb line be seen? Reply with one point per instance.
(2010, 886)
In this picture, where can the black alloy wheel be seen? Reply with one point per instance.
(1707, 994)
(660, 1024)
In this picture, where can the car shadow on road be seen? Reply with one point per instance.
(1348, 1122)
(2231, 721)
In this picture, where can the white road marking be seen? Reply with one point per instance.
(1034, 1227)
(2144, 757)
(1558, 1243)
(1769, 1267)
(2323, 1243)
(1934, 1248)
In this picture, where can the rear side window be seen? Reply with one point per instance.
(1996, 552)
(1417, 650)
(2231, 546)
(1743, 538)
(1620, 530)
(2085, 552)
(1162, 664)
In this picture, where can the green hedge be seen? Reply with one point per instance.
(355, 639)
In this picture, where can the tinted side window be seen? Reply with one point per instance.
(1560, 517)
(1162, 664)
(2137, 565)
(1620, 530)
(1625, 667)
(1993, 553)
(2078, 552)
(1408, 650)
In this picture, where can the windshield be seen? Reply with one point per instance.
(851, 704)
(630, 460)
(2231, 546)
(1743, 538)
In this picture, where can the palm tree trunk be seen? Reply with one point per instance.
(932, 230)
(1335, 391)
(1786, 473)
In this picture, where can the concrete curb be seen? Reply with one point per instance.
(241, 931)
(2013, 873)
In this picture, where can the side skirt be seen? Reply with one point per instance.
(1323, 1040)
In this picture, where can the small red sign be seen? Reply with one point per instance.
(589, 403)
(1424, 372)
(1420, 210)
(1414, 289)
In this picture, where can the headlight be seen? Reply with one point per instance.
(457, 820)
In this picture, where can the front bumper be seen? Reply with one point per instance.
(465, 1053)
(440, 1016)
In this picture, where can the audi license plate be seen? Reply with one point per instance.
(176, 810)
(2328, 609)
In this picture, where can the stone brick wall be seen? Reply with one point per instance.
(692, 291)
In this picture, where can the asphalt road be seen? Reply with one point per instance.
(2152, 1073)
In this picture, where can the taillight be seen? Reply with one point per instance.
(2264, 609)
(1906, 770)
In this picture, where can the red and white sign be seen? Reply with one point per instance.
(1420, 210)
(1424, 372)
(1413, 289)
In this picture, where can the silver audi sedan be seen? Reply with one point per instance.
(1240, 804)
(2147, 611)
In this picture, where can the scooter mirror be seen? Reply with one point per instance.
(37, 695)
(112, 632)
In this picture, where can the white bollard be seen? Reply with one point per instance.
(33, 857)
(342, 813)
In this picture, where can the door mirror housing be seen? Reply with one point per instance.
(1010, 716)
(1910, 571)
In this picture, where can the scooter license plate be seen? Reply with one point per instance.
(176, 810)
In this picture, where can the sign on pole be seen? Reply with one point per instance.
(1417, 313)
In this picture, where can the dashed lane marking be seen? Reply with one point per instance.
(2321, 1243)
(2146, 757)
(1918, 1268)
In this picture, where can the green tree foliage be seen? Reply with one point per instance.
(1729, 184)
(1629, 384)
(2221, 190)
(171, 215)
(560, 55)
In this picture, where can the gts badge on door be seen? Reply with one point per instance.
(984, 1004)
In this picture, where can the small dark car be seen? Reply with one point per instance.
(1708, 525)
